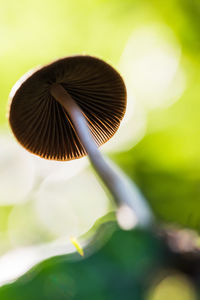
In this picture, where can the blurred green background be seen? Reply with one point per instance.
(155, 45)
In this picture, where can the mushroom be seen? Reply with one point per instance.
(69, 108)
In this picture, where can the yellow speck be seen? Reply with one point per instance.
(76, 244)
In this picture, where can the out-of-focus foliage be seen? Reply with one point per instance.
(165, 163)
(130, 265)
(120, 270)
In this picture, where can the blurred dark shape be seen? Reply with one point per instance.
(182, 240)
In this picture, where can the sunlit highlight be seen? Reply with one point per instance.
(77, 245)
(151, 66)
(58, 170)
(16, 172)
(18, 261)
(126, 218)
(70, 208)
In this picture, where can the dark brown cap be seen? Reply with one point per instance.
(42, 125)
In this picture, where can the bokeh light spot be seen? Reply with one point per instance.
(176, 287)
(151, 66)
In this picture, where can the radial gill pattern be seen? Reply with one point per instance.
(42, 125)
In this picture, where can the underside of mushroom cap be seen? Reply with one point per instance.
(42, 125)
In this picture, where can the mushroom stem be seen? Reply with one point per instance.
(124, 193)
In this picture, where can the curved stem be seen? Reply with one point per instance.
(118, 185)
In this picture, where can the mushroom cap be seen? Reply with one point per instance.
(41, 124)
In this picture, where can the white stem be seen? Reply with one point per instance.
(116, 183)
